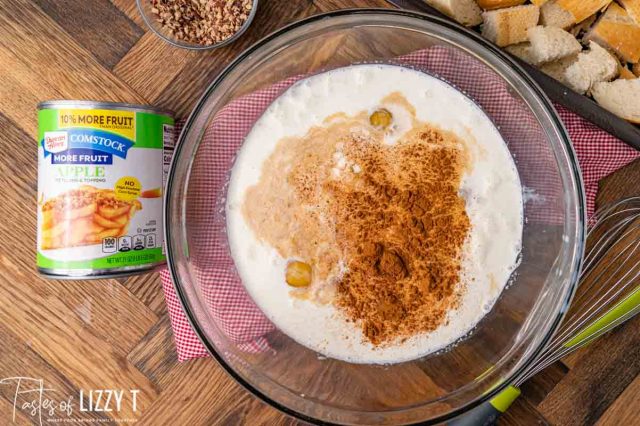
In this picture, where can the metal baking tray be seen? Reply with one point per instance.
(558, 92)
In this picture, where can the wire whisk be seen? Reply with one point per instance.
(606, 285)
(608, 295)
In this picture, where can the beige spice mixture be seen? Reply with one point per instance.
(204, 22)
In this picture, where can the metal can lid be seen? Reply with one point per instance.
(103, 105)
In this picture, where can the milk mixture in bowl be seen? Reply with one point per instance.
(374, 214)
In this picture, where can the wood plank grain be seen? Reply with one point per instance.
(15, 418)
(151, 65)
(101, 304)
(522, 413)
(205, 392)
(538, 387)
(21, 90)
(130, 9)
(18, 179)
(255, 412)
(106, 32)
(623, 183)
(597, 380)
(60, 338)
(148, 289)
(573, 358)
(18, 360)
(208, 396)
(155, 355)
(328, 5)
(49, 57)
(624, 411)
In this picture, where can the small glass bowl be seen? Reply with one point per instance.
(144, 6)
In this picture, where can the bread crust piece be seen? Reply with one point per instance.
(510, 25)
(636, 69)
(621, 97)
(583, 26)
(625, 73)
(582, 9)
(498, 4)
(633, 9)
(465, 12)
(617, 31)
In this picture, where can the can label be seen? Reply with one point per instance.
(100, 179)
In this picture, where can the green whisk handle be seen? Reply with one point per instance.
(487, 413)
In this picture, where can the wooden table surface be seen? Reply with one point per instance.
(110, 334)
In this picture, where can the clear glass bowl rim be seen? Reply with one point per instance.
(569, 152)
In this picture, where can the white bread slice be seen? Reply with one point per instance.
(621, 97)
(510, 25)
(522, 51)
(633, 9)
(557, 69)
(498, 4)
(465, 12)
(636, 69)
(551, 43)
(618, 32)
(592, 66)
(582, 9)
(552, 15)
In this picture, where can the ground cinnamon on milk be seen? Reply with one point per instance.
(381, 224)
(401, 225)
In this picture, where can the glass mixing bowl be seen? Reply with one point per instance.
(297, 380)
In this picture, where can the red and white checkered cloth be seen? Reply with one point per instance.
(599, 154)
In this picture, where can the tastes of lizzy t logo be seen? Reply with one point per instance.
(31, 397)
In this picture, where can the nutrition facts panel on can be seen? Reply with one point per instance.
(128, 242)
(169, 142)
